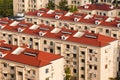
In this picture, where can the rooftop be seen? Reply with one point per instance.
(77, 17)
(97, 6)
(26, 56)
(75, 36)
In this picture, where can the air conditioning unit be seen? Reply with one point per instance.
(76, 19)
(57, 16)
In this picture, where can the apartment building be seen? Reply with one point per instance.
(23, 6)
(105, 25)
(100, 9)
(89, 56)
(22, 63)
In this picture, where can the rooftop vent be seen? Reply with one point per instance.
(110, 19)
(30, 54)
(39, 14)
(42, 33)
(66, 32)
(50, 11)
(118, 25)
(78, 34)
(20, 29)
(2, 55)
(34, 27)
(1, 26)
(91, 36)
(59, 12)
(88, 16)
(43, 28)
(3, 22)
(97, 22)
(68, 14)
(86, 6)
(55, 30)
(14, 23)
(111, 7)
(63, 37)
(5, 48)
(22, 25)
(57, 16)
(76, 19)
(18, 50)
(41, 10)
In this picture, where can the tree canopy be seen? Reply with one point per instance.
(51, 5)
(6, 7)
(63, 5)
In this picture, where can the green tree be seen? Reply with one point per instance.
(6, 8)
(67, 72)
(50, 5)
(73, 8)
(63, 5)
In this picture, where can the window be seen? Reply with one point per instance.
(10, 35)
(51, 50)
(82, 60)
(12, 75)
(3, 34)
(34, 72)
(107, 31)
(74, 55)
(5, 64)
(36, 44)
(82, 68)
(59, 48)
(12, 68)
(31, 39)
(35, 22)
(74, 70)
(90, 51)
(74, 47)
(86, 28)
(82, 52)
(23, 38)
(5, 74)
(90, 66)
(15, 39)
(68, 54)
(114, 35)
(46, 70)
(74, 63)
(90, 57)
(106, 66)
(20, 73)
(92, 31)
(45, 42)
(95, 67)
(51, 43)
(67, 46)
(45, 49)
(82, 76)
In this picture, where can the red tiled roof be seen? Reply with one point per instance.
(104, 7)
(41, 58)
(82, 40)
